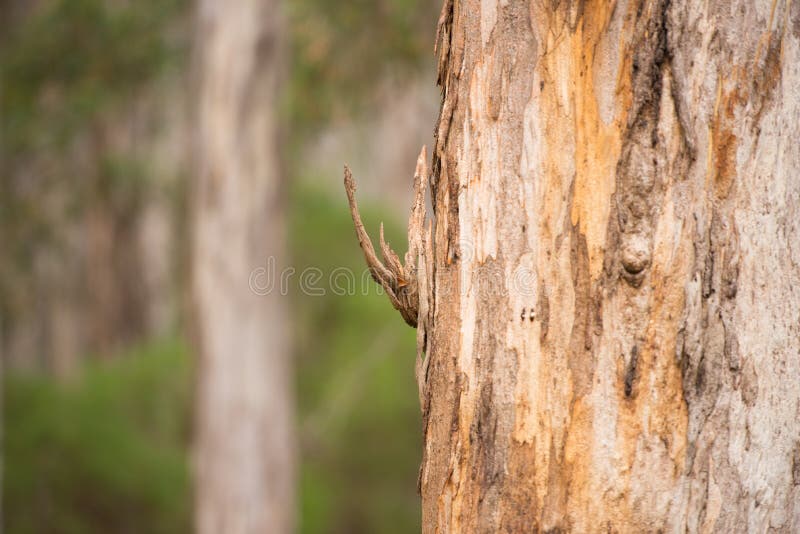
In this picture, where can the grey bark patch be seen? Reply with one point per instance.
(730, 276)
(795, 19)
(732, 349)
(700, 376)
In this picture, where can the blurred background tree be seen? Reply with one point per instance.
(81, 118)
(244, 450)
(94, 177)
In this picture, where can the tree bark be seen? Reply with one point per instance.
(244, 450)
(613, 335)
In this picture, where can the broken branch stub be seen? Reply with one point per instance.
(400, 281)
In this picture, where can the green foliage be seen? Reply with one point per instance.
(72, 59)
(67, 69)
(103, 453)
(108, 451)
(341, 49)
(70, 70)
(357, 398)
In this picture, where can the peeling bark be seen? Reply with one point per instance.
(613, 342)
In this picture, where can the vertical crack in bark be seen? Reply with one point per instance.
(630, 373)
(448, 54)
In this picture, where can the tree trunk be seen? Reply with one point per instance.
(613, 338)
(244, 450)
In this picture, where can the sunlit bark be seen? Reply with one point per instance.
(614, 343)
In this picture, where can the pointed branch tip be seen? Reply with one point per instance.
(398, 280)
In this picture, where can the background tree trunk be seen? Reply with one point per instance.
(615, 327)
(244, 451)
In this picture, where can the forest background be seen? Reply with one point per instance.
(98, 373)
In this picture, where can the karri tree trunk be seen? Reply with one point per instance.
(244, 450)
(611, 307)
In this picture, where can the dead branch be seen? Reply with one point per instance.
(398, 280)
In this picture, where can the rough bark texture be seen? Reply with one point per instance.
(614, 326)
(244, 451)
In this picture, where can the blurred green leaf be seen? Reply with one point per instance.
(359, 413)
(103, 453)
(341, 51)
